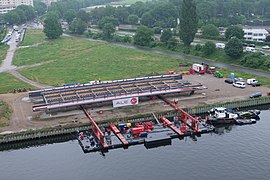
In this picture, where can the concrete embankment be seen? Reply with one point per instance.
(72, 128)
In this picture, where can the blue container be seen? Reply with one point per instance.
(232, 75)
(143, 134)
(121, 126)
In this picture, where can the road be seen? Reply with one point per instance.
(8, 67)
(7, 63)
(182, 56)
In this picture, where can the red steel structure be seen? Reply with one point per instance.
(118, 134)
(98, 133)
(76, 95)
(170, 125)
(184, 117)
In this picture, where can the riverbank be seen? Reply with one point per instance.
(64, 129)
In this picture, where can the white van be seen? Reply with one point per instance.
(220, 45)
(250, 49)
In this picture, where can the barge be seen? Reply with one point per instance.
(151, 134)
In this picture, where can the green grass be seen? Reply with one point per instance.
(3, 52)
(74, 60)
(32, 37)
(8, 83)
(5, 113)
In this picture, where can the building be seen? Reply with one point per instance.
(8, 5)
(5, 8)
(255, 34)
(48, 2)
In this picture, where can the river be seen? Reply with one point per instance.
(237, 152)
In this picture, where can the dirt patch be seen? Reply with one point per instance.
(218, 91)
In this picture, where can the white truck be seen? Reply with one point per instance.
(253, 82)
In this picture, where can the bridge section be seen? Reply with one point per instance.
(81, 94)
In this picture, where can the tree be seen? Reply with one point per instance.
(69, 16)
(83, 16)
(133, 19)
(147, 19)
(209, 48)
(188, 22)
(12, 17)
(29, 11)
(143, 36)
(267, 39)
(121, 13)
(40, 7)
(234, 48)
(106, 20)
(107, 30)
(210, 30)
(166, 35)
(234, 31)
(78, 26)
(52, 27)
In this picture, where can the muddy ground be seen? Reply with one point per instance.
(218, 91)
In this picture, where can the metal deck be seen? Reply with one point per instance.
(107, 91)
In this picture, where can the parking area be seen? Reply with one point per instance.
(219, 91)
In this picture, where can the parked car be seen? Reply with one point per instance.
(250, 49)
(238, 79)
(255, 95)
(265, 47)
(239, 84)
(229, 81)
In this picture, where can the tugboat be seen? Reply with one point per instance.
(221, 115)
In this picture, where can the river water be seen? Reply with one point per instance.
(236, 152)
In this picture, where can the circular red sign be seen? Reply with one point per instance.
(133, 101)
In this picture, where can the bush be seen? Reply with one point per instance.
(254, 60)
(209, 48)
(172, 44)
(198, 47)
(97, 36)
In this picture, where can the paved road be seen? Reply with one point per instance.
(7, 63)
(182, 56)
(8, 67)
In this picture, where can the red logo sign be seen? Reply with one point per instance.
(133, 101)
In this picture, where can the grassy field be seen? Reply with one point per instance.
(5, 113)
(32, 37)
(73, 60)
(8, 83)
(3, 52)
(68, 60)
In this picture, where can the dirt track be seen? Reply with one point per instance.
(218, 91)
